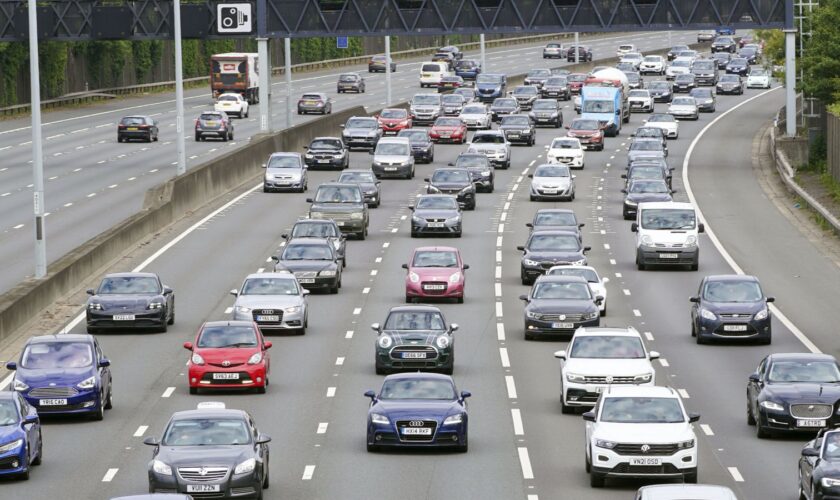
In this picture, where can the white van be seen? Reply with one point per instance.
(667, 235)
(431, 73)
(392, 158)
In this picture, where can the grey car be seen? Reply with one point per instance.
(563, 219)
(422, 147)
(361, 132)
(345, 204)
(548, 248)
(279, 292)
(452, 104)
(316, 102)
(327, 152)
(350, 82)
(547, 112)
(284, 172)
(313, 261)
(436, 214)
(320, 228)
(213, 124)
(366, 180)
(503, 106)
(705, 99)
(414, 338)
(645, 149)
(556, 87)
(525, 95)
(454, 181)
(697, 491)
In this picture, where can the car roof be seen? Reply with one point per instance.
(319, 94)
(668, 204)
(323, 138)
(131, 275)
(452, 196)
(436, 249)
(361, 118)
(339, 184)
(285, 153)
(282, 276)
(641, 391)
(555, 232)
(800, 356)
(414, 308)
(488, 132)
(555, 210)
(210, 412)
(731, 277)
(65, 337)
(393, 140)
(317, 221)
(356, 171)
(695, 491)
(309, 240)
(612, 331)
(227, 323)
(559, 278)
(419, 375)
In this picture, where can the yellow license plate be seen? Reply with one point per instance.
(310, 103)
(211, 124)
(133, 129)
(427, 75)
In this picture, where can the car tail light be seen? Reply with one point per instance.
(120, 127)
(222, 126)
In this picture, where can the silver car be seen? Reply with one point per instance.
(552, 182)
(476, 116)
(698, 491)
(494, 145)
(684, 108)
(274, 301)
(285, 172)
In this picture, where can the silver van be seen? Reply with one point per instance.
(392, 158)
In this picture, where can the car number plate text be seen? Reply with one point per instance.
(133, 129)
(225, 376)
(123, 317)
(549, 191)
(323, 161)
(203, 488)
(735, 328)
(436, 224)
(563, 325)
(810, 422)
(669, 256)
(434, 287)
(390, 169)
(414, 355)
(306, 280)
(52, 402)
(272, 317)
(417, 431)
(645, 461)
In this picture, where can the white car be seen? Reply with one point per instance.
(232, 104)
(758, 78)
(679, 66)
(476, 116)
(597, 284)
(625, 48)
(633, 58)
(640, 100)
(666, 122)
(279, 292)
(684, 108)
(552, 182)
(566, 150)
(652, 64)
(642, 432)
(494, 145)
(600, 357)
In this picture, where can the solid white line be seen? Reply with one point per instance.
(649, 336)
(664, 362)
(500, 331)
(308, 471)
(713, 237)
(503, 354)
(322, 428)
(357, 311)
(168, 392)
(339, 361)
(518, 428)
(330, 392)
(736, 475)
(637, 313)
(109, 476)
(511, 386)
(140, 431)
(499, 312)
(707, 429)
(525, 462)
(683, 394)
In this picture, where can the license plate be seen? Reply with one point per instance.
(549, 191)
(123, 317)
(272, 317)
(417, 431)
(133, 129)
(436, 224)
(414, 355)
(203, 488)
(636, 104)
(52, 402)
(225, 376)
(339, 222)
(390, 169)
(434, 287)
(445, 136)
(323, 161)
(211, 124)
(646, 461)
(563, 326)
(309, 103)
(304, 281)
(669, 256)
(513, 136)
(810, 422)
(427, 75)
(735, 328)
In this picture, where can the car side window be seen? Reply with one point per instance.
(762, 368)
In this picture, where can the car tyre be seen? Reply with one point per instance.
(193, 390)
(568, 410)
(690, 477)
(100, 412)
(381, 370)
(109, 403)
(750, 416)
(39, 458)
(463, 448)
(596, 479)
(372, 448)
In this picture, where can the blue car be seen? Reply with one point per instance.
(20, 436)
(417, 410)
(467, 69)
(64, 374)
(490, 86)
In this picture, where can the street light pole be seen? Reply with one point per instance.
(179, 92)
(577, 49)
(790, 82)
(37, 153)
(287, 56)
(265, 85)
(483, 59)
(387, 70)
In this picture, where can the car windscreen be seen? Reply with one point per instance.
(657, 187)
(732, 291)
(649, 132)
(825, 372)
(437, 203)
(552, 171)
(210, 117)
(668, 218)
(8, 413)
(554, 243)
(557, 81)
(394, 113)
(207, 432)
(525, 90)
(738, 61)
(553, 45)
(452, 99)
(307, 252)
(646, 173)
(391, 149)
(488, 139)
(587, 274)
(457, 176)
(474, 110)
(686, 78)
(312, 97)
(415, 320)
(515, 120)
(57, 355)
(565, 144)
(701, 93)
(653, 59)
(417, 388)
(598, 106)
(314, 230)
(414, 135)
(426, 100)
(129, 285)
(227, 336)
(639, 93)
(585, 125)
(465, 65)
(348, 78)
(489, 79)
(555, 219)
(576, 77)
(539, 73)
(681, 64)
(229, 97)
(504, 103)
(338, 194)
(607, 347)
(646, 146)
(448, 122)
(361, 123)
(658, 85)
(704, 65)
(357, 177)
(443, 258)
(759, 72)
(560, 291)
(467, 161)
(269, 286)
(661, 118)
(326, 144)
(284, 162)
(549, 105)
(640, 410)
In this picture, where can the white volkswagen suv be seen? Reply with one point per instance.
(640, 432)
(600, 358)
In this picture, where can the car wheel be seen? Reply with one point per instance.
(197, 137)
(193, 390)
(171, 320)
(464, 447)
(604, 311)
(39, 458)
(333, 290)
(596, 479)
(100, 412)
(24, 476)
(109, 403)
(690, 477)
(149, 139)
(266, 483)
(225, 138)
(344, 262)
(371, 448)
(700, 339)
(750, 415)
(381, 370)
(261, 390)
(163, 328)
(568, 410)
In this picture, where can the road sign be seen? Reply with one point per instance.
(233, 18)
(341, 42)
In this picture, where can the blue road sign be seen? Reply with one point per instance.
(341, 42)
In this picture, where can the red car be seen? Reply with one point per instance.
(575, 81)
(450, 129)
(392, 120)
(435, 273)
(228, 355)
(589, 132)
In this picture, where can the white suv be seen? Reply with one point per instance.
(494, 145)
(640, 432)
(599, 358)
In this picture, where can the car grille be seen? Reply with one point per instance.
(549, 265)
(229, 365)
(426, 286)
(53, 392)
(417, 439)
(209, 475)
(431, 352)
(565, 159)
(244, 379)
(338, 216)
(668, 245)
(810, 410)
(358, 139)
(435, 220)
(268, 312)
(602, 379)
(568, 318)
(734, 315)
(655, 449)
(626, 468)
(325, 157)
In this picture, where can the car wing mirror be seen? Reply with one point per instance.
(634, 227)
(267, 344)
(405, 266)
(306, 292)
(411, 207)
(701, 228)
(653, 355)
(11, 365)
(30, 419)
(309, 200)
(104, 363)
(376, 327)
(589, 416)
(465, 395)
(605, 280)
(90, 291)
(188, 346)
(263, 439)
(586, 249)
(528, 224)
(520, 248)
(371, 395)
(453, 327)
(810, 452)
(234, 292)
(167, 290)
(770, 299)
(151, 441)
(467, 266)
(693, 417)
(524, 297)
(694, 298)
(275, 258)
(754, 377)
(560, 355)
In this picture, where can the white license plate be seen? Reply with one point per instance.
(564, 326)
(513, 136)
(52, 402)
(304, 281)
(810, 422)
(203, 488)
(123, 317)
(212, 124)
(434, 287)
(414, 355)
(445, 136)
(272, 317)
(416, 431)
(436, 224)
(735, 328)
(669, 256)
(390, 169)
(225, 376)
(549, 191)
(339, 222)
(646, 461)
(323, 161)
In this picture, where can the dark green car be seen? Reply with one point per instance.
(415, 338)
(345, 204)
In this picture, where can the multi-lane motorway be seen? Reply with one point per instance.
(92, 182)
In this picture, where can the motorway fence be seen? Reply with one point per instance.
(832, 143)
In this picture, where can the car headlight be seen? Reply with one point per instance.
(454, 419)
(762, 314)
(417, 220)
(161, 468)
(455, 277)
(309, 156)
(591, 315)
(442, 342)
(292, 310)
(255, 358)
(466, 190)
(532, 314)
(707, 314)
(197, 359)
(485, 173)
(87, 383)
(827, 482)
(454, 220)
(574, 377)
(579, 262)
(11, 446)
(327, 273)
(529, 262)
(603, 443)
(642, 379)
(155, 305)
(685, 444)
(630, 203)
(95, 306)
(19, 386)
(246, 466)
(316, 215)
(647, 240)
(378, 418)
(385, 341)
(243, 309)
(357, 215)
(772, 405)
(413, 277)
(431, 189)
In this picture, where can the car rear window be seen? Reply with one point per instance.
(432, 68)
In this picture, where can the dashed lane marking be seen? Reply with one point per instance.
(322, 428)
(637, 313)
(503, 355)
(330, 392)
(736, 474)
(109, 475)
(499, 311)
(349, 334)
(140, 431)
(339, 361)
(707, 429)
(626, 291)
(357, 311)
(498, 289)
(649, 336)
(168, 392)
(365, 290)
(525, 462)
(308, 472)
(228, 310)
(683, 394)
(664, 362)
(518, 428)
(500, 331)
(511, 386)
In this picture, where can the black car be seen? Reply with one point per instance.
(730, 307)
(730, 84)
(676, 49)
(313, 261)
(414, 338)
(635, 80)
(793, 392)
(648, 170)
(482, 171)
(436, 214)
(452, 104)
(556, 87)
(559, 305)
(519, 129)
(525, 95)
(643, 190)
(367, 181)
(561, 219)
(351, 82)
(320, 228)
(547, 248)
(503, 106)
(210, 452)
(705, 72)
(750, 54)
(422, 147)
(645, 149)
(722, 59)
(724, 44)
(581, 52)
(326, 152)
(661, 90)
(819, 467)
(137, 127)
(213, 124)
(454, 181)
(361, 132)
(546, 112)
(130, 300)
(738, 66)
(705, 100)
(684, 82)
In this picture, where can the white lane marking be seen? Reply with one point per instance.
(109, 476)
(339, 361)
(357, 311)
(649, 336)
(98, 126)
(153, 170)
(500, 331)
(378, 260)
(365, 290)
(711, 234)
(132, 178)
(736, 474)
(168, 392)
(510, 196)
(5, 148)
(612, 261)
(260, 270)
(503, 354)
(91, 195)
(603, 231)
(507, 205)
(511, 386)
(386, 244)
(499, 312)
(637, 313)
(68, 204)
(664, 362)
(499, 240)
(228, 310)
(374, 272)
(518, 428)
(330, 392)
(4, 195)
(498, 272)
(501, 228)
(503, 216)
(683, 394)
(626, 291)
(395, 230)
(140, 431)
(112, 186)
(404, 217)
(18, 226)
(618, 275)
(525, 462)
(498, 289)
(77, 169)
(53, 178)
(533, 497)
(308, 471)
(606, 245)
(707, 430)
(322, 428)
(498, 255)
(349, 334)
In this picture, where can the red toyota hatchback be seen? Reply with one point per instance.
(228, 355)
(435, 273)
(449, 130)
(392, 120)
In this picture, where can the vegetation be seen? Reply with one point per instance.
(821, 61)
